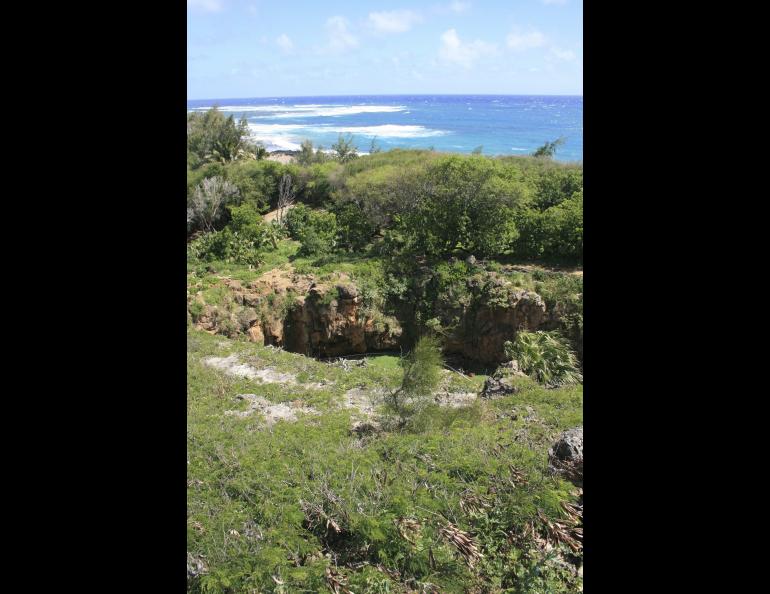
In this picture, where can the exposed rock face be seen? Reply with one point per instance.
(327, 318)
(302, 316)
(486, 324)
(565, 456)
(327, 327)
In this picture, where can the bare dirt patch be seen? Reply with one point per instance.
(267, 375)
(273, 215)
(272, 412)
(455, 399)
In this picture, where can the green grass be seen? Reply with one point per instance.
(260, 501)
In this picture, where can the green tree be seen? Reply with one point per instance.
(306, 154)
(213, 137)
(422, 374)
(548, 150)
(344, 149)
(459, 203)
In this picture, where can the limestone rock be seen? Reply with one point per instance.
(565, 456)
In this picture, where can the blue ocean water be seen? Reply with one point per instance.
(501, 124)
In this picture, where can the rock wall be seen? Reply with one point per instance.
(327, 318)
(485, 327)
(300, 314)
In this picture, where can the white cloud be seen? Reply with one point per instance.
(205, 5)
(519, 41)
(463, 53)
(458, 6)
(284, 42)
(339, 36)
(396, 21)
(566, 55)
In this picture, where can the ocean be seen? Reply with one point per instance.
(500, 124)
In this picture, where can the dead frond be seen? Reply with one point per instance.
(463, 542)
(517, 476)
(562, 533)
(336, 581)
(471, 502)
(315, 516)
(408, 529)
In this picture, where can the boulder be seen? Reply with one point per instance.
(497, 387)
(565, 457)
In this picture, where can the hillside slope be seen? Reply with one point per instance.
(293, 486)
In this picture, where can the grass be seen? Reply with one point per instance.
(269, 510)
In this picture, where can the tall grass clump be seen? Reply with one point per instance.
(545, 357)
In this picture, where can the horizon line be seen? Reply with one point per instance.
(394, 95)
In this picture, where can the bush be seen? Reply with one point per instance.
(258, 181)
(313, 245)
(344, 149)
(207, 208)
(212, 136)
(459, 203)
(354, 229)
(227, 246)
(545, 357)
(316, 230)
(553, 234)
(422, 373)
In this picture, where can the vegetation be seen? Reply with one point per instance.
(545, 357)
(548, 150)
(213, 137)
(422, 369)
(344, 149)
(385, 474)
(303, 504)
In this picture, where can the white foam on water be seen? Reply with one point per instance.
(277, 137)
(289, 136)
(306, 111)
(313, 111)
(384, 131)
(242, 108)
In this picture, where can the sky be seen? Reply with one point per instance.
(293, 48)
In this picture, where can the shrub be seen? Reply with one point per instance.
(212, 136)
(206, 209)
(225, 245)
(354, 229)
(422, 373)
(549, 148)
(553, 234)
(313, 245)
(246, 221)
(315, 230)
(545, 357)
(460, 203)
(344, 149)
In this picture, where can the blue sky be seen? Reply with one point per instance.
(270, 48)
